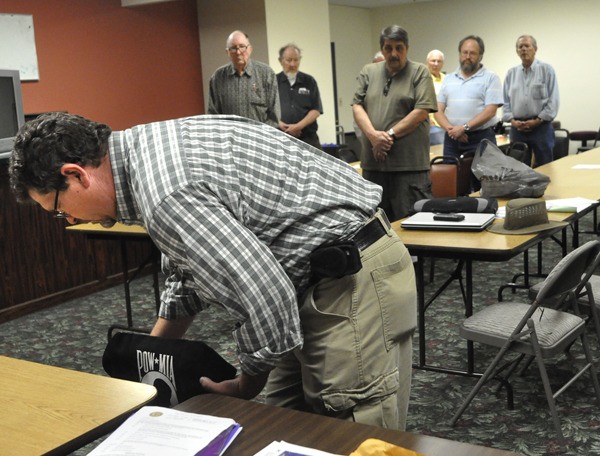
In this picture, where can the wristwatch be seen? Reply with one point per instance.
(391, 133)
(466, 127)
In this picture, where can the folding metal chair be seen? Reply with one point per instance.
(539, 332)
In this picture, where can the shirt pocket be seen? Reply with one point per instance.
(539, 91)
(257, 98)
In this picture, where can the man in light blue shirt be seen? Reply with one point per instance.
(531, 102)
(468, 101)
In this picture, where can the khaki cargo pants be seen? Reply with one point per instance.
(356, 362)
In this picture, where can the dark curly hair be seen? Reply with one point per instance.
(46, 143)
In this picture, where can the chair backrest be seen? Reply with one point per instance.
(561, 143)
(346, 154)
(444, 177)
(571, 273)
(518, 151)
(465, 162)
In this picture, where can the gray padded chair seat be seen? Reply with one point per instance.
(493, 324)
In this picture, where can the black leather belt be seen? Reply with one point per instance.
(371, 232)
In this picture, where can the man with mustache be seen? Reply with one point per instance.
(531, 102)
(468, 100)
(391, 107)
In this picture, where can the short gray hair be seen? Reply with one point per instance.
(435, 51)
(287, 46)
(533, 41)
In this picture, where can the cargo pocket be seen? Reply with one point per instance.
(397, 297)
(375, 404)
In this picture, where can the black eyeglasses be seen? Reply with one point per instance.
(386, 89)
(56, 213)
(242, 48)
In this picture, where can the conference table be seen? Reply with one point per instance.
(263, 424)
(124, 234)
(55, 411)
(571, 176)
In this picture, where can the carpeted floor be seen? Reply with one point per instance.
(73, 335)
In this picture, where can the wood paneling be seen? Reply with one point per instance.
(42, 264)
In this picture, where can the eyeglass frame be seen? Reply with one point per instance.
(55, 212)
(242, 48)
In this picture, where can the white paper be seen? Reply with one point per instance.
(586, 166)
(160, 431)
(577, 204)
(568, 204)
(281, 447)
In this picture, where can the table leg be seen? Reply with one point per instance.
(126, 282)
(469, 312)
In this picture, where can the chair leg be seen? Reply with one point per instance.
(546, 382)
(487, 375)
(592, 368)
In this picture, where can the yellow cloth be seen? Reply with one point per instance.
(375, 447)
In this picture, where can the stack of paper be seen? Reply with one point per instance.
(282, 448)
(159, 431)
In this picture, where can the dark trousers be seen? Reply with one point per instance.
(312, 139)
(540, 140)
(456, 148)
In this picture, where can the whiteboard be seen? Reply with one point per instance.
(17, 45)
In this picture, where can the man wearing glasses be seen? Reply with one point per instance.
(244, 87)
(391, 107)
(288, 239)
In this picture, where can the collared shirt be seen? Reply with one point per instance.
(237, 207)
(253, 94)
(465, 98)
(531, 92)
(409, 89)
(297, 100)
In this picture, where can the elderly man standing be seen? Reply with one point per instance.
(435, 63)
(468, 100)
(531, 102)
(299, 97)
(391, 107)
(244, 87)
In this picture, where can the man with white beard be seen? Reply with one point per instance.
(299, 98)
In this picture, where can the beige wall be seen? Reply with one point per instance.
(306, 24)
(216, 20)
(351, 31)
(567, 35)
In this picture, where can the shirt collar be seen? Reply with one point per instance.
(118, 150)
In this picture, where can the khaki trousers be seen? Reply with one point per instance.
(356, 361)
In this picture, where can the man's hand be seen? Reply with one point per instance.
(244, 386)
(291, 129)
(526, 125)
(457, 132)
(381, 143)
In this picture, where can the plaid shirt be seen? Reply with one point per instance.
(237, 206)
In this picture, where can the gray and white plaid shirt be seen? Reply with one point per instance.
(237, 206)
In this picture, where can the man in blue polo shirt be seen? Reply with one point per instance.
(299, 97)
(468, 100)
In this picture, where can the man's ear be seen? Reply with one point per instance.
(76, 172)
